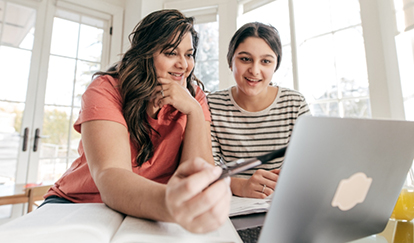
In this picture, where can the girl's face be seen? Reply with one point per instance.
(177, 64)
(253, 66)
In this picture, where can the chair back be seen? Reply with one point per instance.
(36, 194)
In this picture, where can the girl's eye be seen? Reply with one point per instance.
(190, 55)
(170, 54)
(266, 61)
(245, 59)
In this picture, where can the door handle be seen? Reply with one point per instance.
(36, 141)
(25, 138)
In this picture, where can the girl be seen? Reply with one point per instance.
(141, 120)
(254, 117)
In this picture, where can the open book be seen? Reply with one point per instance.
(97, 223)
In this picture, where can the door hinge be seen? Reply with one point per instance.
(110, 30)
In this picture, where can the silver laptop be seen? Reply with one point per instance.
(340, 179)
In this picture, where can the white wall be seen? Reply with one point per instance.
(135, 10)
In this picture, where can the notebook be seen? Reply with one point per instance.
(340, 179)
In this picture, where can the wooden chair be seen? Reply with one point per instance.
(36, 194)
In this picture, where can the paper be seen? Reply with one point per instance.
(63, 223)
(141, 230)
(95, 222)
(242, 205)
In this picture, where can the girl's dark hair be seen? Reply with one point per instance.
(256, 29)
(157, 32)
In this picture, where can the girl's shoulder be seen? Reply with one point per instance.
(220, 94)
(287, 92)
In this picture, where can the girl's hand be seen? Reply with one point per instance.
(261, 184)
(192, 202)
(173, 93)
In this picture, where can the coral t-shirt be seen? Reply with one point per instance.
(102, 101)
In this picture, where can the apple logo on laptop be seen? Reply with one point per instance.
(351, 191)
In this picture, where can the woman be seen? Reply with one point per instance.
(254, 117)
(140, 121)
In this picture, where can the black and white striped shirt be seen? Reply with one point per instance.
(237, 133)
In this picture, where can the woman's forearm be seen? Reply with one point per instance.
(131, 194)
(197, 141)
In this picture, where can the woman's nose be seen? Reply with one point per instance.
(182, 62)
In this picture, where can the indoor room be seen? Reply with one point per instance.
(348, 58)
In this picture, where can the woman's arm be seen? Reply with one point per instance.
(187, 199)
(108, 153)
(197, 141)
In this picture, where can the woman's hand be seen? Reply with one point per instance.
(260, 185)
(173, 93)
(192, 202)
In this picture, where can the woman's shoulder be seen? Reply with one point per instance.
(103, 81)
(102, 88)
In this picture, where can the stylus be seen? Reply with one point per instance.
(241, 165)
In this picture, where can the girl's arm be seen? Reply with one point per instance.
(254, 186)
(107, 151)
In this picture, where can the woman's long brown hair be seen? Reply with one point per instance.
(159, 31)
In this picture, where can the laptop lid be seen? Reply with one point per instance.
(369, 158)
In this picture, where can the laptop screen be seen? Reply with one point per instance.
(340, 179)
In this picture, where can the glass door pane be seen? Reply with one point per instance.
(76, 53)
(17, 27)
(16, 44)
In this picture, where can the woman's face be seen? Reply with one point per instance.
(253, 66)
(177, 64)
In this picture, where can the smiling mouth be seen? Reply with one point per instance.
(177, 74)
(252, 79)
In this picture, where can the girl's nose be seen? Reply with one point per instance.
(254, 69)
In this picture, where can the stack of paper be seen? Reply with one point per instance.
(242, 206)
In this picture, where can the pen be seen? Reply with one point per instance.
(241, 165)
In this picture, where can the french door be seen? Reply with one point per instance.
(49, 51)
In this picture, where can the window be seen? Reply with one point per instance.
(406, 62)
(48, 51)
(405, 47)
(277, 14)
(330, 60)
(75, 55)
(206, 68)
(17, 27)
(331, 56)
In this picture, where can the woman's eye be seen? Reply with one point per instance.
(245, 59)
(170, 54)
(190, 55)
(266, 61)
